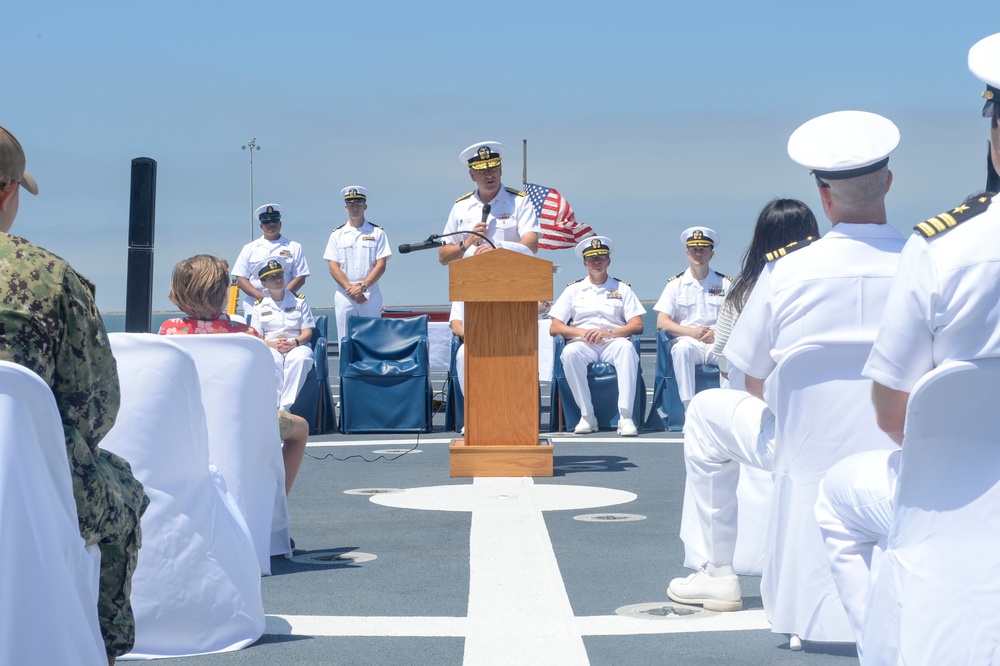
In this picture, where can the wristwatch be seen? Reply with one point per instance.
(364, 287)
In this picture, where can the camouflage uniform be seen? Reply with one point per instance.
(49, 323)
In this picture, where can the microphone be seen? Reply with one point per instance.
(486, 211)
(432, 241)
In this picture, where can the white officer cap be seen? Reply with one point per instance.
(699, 237)
(594, 246)
(354, 193)
(268, 213)
(482, 155)
(984, 62)
(844, 144)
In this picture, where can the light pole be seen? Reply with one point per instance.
(251, 145)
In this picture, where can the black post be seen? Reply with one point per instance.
(141, 219)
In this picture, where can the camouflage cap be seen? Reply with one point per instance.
(12, 162)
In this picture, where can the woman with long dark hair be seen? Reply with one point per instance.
(782, 222)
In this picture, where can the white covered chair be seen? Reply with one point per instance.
(238, 388)
(196, 589)
(823, 413)
(935, 595)
(48, 577)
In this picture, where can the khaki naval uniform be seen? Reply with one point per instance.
(285, 319)
(356, 249)
(49, 323)
(608, 305)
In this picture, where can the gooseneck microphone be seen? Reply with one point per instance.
(432, 241)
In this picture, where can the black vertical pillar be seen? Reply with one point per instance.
(141, 218)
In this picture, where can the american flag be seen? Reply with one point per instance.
(560, 230)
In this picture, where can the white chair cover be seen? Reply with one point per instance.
(238, 389)
(196, 589)
(48, 578)
(935, 596)
(823, 413)
(753, 496)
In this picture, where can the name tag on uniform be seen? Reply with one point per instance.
(266, 313)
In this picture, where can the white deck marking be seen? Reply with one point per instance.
(595, 625)
(569, 439)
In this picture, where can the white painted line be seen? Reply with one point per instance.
(622, 625)
(519, 611)
(597, 625)
(326, 625)
(401, 443)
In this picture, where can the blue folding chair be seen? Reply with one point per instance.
(603, 382)
(313, 402)
(667, 410)
(454, 411)
(385, 381)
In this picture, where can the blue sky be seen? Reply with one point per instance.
(648, 117)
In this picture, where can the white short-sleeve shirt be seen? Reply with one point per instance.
(356, 249)
(511, 216)
(833, 290)
(284, 318)
(944, 304)
(692, 302)
(588, 305)
(256, 253)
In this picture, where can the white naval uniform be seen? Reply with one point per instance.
(942, 307)
(286, 319)
(609, 305)
(511, 216)
(832, 290)
(458, 312)
(692, 302)
(256, 253)
(356, 249)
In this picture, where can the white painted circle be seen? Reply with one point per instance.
(467, 497)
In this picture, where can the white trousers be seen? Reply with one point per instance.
(619, 352)
(290, 371)
(345, 307)
(686, 353)
(854, 511)
(723, 429)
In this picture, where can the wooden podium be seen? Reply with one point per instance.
(501, 290)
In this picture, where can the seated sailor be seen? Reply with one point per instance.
(596, 315)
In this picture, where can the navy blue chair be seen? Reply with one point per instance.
(313, 402)
(667, 410)
(385, 383)
(603, 382)
(454, 411)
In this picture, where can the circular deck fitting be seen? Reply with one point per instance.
(609, 517)
(372, 491)
(394, 452)
(333, 557)
(662, 611)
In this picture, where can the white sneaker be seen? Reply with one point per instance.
(714, 593)
(626, 428)
(586, 424)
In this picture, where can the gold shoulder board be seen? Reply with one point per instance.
(465, 196)
(965, 211)
(774, 255)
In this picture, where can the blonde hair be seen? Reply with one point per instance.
(198, 286)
